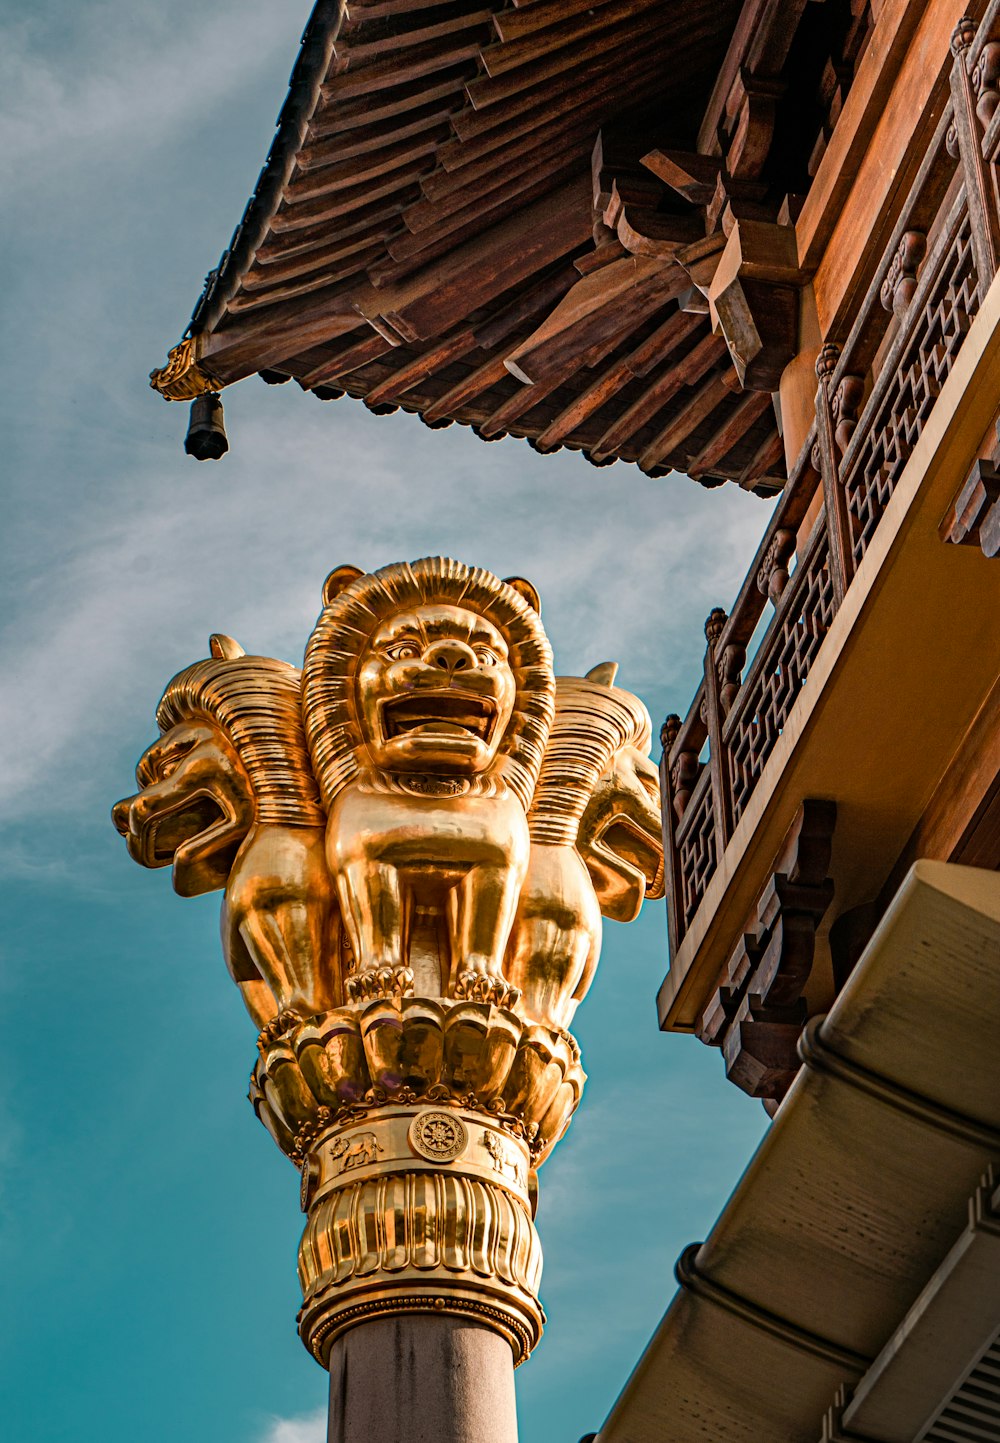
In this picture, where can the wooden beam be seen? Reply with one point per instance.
(260, 339)
(313, 239)
(486, 172)
(494, 262)
(653, 351)
(345, 146)
(489, 374)
(565, 89)
(523, 400)
(411, 253)
(407, 65)
(425, 365)
(248, 298)
(745, 415)
(309, 263)
(514, 175)
(700, 359)
(542, 112)
(325, 177)
(368, 348)
(686, 420)
(595, 302)
(537, 45)
(354, 48)
(366, 111)
(515, 24)
(489, 90)
(767, 456)
(760, 43)
(295, 215)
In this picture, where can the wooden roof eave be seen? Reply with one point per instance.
(183, 376)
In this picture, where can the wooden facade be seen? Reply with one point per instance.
(788, 832)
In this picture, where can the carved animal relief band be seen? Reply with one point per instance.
(416, 838)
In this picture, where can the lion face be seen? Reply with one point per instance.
(435, 691)
(194, 808)
(620, 837)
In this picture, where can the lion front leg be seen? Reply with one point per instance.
(482, 915)
(373, 907)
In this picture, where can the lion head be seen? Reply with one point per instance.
(432, 667)
(599, 791)
(231, 753)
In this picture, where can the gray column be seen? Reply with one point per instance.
(422, 1378)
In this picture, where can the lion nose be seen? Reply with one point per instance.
(451, 656)
(119, 815)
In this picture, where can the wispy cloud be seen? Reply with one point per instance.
(309, 1428)
(101, 83)
(140, 580)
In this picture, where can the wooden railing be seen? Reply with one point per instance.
(874, 398)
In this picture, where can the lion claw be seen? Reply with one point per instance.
(379, 983)
(482, 987)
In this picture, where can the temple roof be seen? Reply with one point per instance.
(499, 215)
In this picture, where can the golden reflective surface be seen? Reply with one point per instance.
(416, 838)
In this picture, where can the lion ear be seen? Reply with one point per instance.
(223, 647)
(604, 673)
(526, 591)
(339, 577)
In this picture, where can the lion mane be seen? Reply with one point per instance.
(342, 633)
(593, 720)
(256, 702)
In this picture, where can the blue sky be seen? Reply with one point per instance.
(147, 1223)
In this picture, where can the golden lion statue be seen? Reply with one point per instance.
(425, 808)
(596, 843)
(428, 695)
(227, 798)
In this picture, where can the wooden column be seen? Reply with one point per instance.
(825, 460)
(717, 761)
(669, 733)
(968, 139)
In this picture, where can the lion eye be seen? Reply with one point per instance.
(405, 651)
(487, 657)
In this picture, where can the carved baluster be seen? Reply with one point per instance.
(683, 775)
(824, 459)
(669, 733)
(901, 278)
(985, 80)
(967, 139)
(772, 574)
(721, 801)
(844, 407)
(729, 669)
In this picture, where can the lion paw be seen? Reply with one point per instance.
(483, 987)
(378, 983)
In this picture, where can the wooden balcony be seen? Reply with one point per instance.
(862, 645)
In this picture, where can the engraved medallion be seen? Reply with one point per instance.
(438, 1136)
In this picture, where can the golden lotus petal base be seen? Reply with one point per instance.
(338, 1065)
(419, 1208)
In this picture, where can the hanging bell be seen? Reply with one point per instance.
(206, 438)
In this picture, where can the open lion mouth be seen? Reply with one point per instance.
(441, 713)
(629, 841)
(171, 829)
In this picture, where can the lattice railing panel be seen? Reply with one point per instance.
(779, 671)
(890, 434)
(697, 857)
